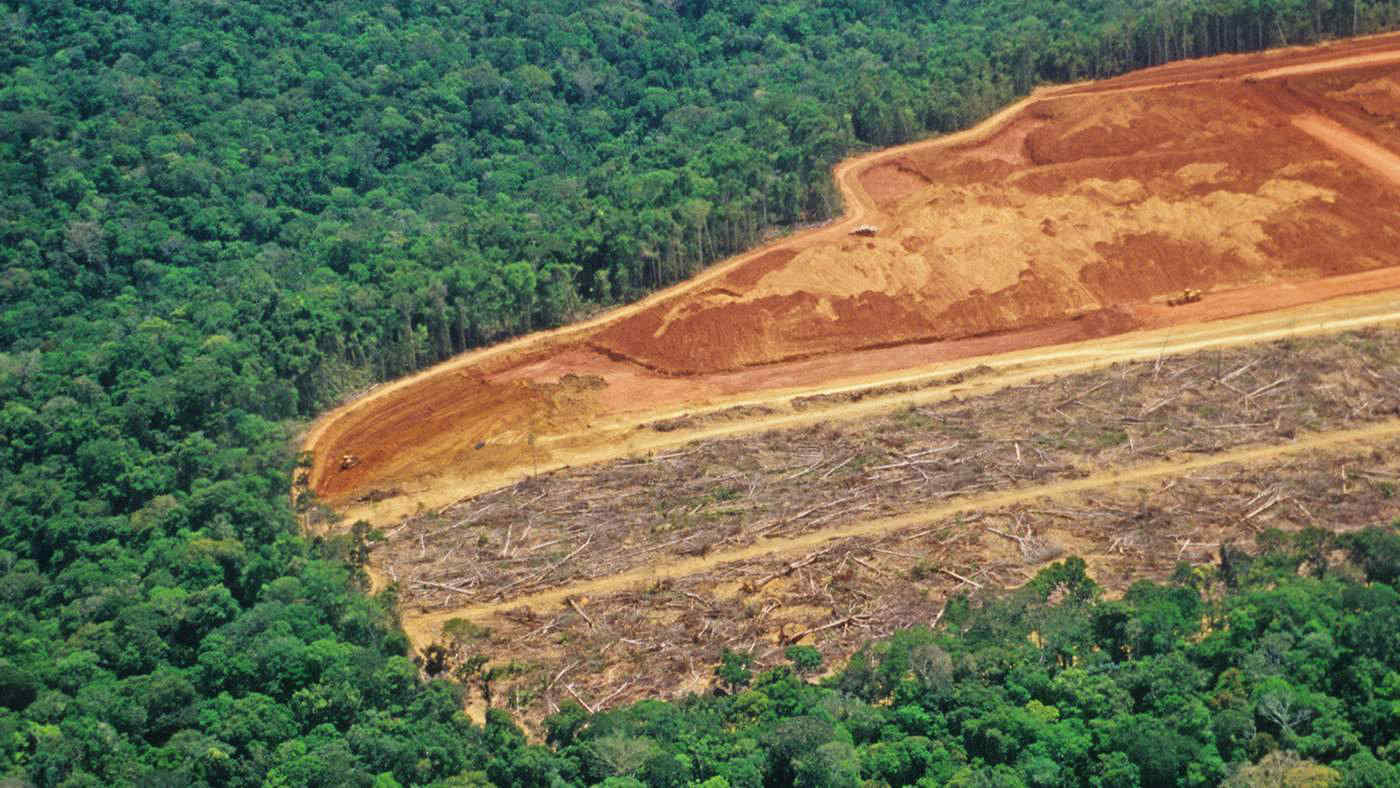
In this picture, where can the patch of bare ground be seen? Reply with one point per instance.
(601, 520)
(759, 498)
(1085, 202)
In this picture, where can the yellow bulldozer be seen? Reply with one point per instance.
(1188, 296)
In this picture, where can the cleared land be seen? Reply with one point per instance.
(661, 636)
(716, 495)
(1081, 204)
(641, 570)
(824, 439)
(1262, 180)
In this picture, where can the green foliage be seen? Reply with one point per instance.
(805, 659)
(733, 669)
(1289, 687)
(1377, 551)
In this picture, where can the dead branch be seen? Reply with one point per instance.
(1268, 386)
(804, 633)
(615, 693)
(561, 673)
(443, 586)
(586, 707)
(1278, 496)
(1020, 540)
(804, 471)
(934, 623)
(574, 604)
(1080, 395)
(1239, 371)
(792, 567)
(501, 593)
(957, 576)
(806, 512)
(872, 567)
(835, 468)
(1157, 406)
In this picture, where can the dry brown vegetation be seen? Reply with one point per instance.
(597, 521)
(1064, 442)
(662, 639)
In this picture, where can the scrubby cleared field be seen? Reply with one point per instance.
(638, 572)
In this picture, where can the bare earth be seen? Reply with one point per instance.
(640, 570)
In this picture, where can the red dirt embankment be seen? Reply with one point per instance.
(1071, 215)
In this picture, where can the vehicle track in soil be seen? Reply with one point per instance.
(599, 436)
(422, 629)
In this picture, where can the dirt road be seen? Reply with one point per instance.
(626, 435)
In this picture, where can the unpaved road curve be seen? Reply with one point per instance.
(609, 436)
(422, 629)
(1357, 61)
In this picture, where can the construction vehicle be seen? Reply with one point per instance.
(349, 461)
(1188, 296)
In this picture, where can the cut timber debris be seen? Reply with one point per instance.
(1034, 549)
(716, 495)
(661, 638)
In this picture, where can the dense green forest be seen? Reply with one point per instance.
(219, 216)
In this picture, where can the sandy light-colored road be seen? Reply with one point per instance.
(1359, 299)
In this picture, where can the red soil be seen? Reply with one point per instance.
(1072, 216)
(1087, 201)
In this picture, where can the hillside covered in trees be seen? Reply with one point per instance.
(220, 216)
